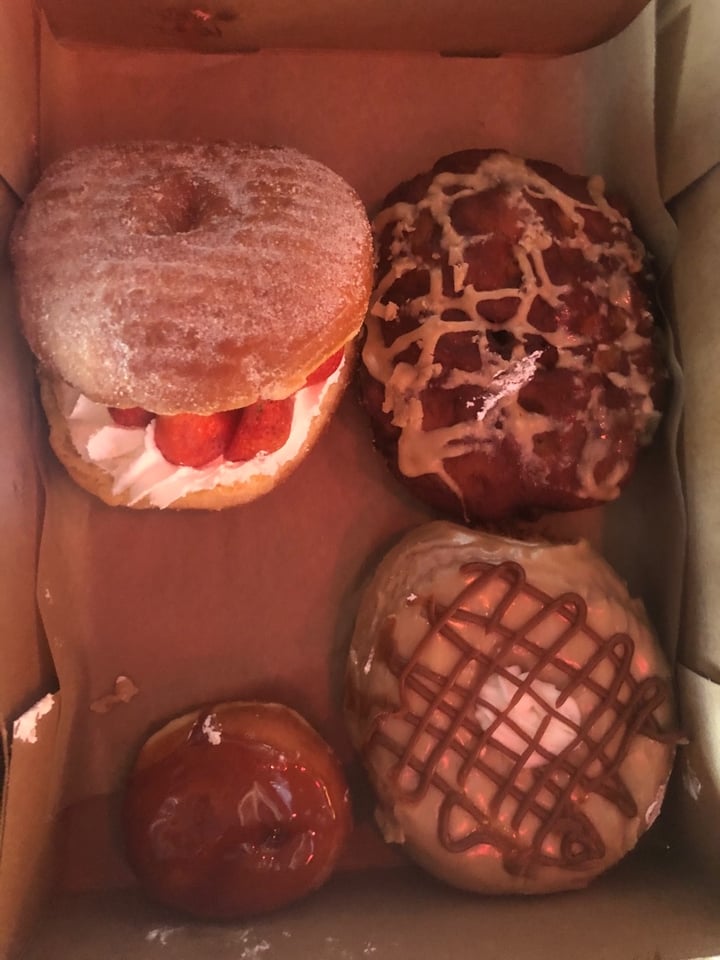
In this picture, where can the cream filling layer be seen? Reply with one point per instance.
(138, 468)
(516, 728)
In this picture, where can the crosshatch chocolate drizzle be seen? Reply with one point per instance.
(547, 799)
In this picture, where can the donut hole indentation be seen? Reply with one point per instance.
(173, 204)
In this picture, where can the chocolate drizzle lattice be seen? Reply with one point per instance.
(446, 744)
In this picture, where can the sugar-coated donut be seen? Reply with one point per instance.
(189, 277)
(235, 809)
(512, 707)
(184, 280)
(510, 363)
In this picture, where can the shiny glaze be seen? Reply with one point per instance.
(224, 825)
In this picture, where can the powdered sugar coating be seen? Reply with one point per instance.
(190, 277)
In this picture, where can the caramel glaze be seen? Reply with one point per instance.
(589, 764)
(224, 825)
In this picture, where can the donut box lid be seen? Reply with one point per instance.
(480, 29)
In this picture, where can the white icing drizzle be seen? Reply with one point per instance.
(424, 451)
(257, 802)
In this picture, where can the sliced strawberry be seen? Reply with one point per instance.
(130, 416)
(192, 440)
(326, 368)
(262, 428)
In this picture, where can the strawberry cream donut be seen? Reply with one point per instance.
(193, 309)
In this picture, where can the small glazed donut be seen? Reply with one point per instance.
(510, 364)
(234, 810)
(512, 707)
(180, 298)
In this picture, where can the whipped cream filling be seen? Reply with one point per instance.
(528, 713)
(138, 468)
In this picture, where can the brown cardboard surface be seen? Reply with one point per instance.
(18, 104)
(25, 865)
(699, 770)
(694, 279)
(487, 29)
(650, 908)
(4, 764)
(688, 127)
(259, 601)
(26, 671)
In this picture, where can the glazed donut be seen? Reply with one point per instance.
(512, 707)
(235, 810)
(160, 280)
(510, 364)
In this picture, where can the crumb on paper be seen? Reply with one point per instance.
(124, 692)
(336, 950)
(251, 950)
(25, 727)
(161, 935)
(255, 950)
(198, 20)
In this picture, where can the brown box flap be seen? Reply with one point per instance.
(18, 102)
(694, 281)
(486, 29)
(699, 768)
(688, 92)
(26, 669)
(34, 778)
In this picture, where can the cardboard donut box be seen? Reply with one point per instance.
(112, 621)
